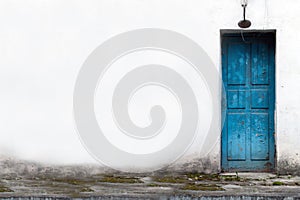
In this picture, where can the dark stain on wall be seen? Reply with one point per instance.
(288, 167)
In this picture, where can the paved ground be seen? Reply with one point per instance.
(149, 186)
(35, 181)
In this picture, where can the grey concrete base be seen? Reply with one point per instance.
(19, 180)
(145, 187)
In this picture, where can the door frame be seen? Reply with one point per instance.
(252, 32)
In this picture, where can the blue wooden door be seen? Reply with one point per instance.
(248, 73)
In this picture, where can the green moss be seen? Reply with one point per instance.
(202, 177)
(5, 189)
(153, 185)
(170, 179)
(70, 181)
(86, 189)
(91, 180)
(232, 178)
(186, 178)
(202, 187)
(277, 183)
(118, 179)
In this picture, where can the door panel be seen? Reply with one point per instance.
(237, 66)
(236, 137)
(259, 98)
(236, 98)
(248, 102)
(260, 69)
(259, 136)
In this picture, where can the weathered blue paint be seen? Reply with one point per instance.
(248, 72)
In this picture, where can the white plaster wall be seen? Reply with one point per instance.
(43, 44)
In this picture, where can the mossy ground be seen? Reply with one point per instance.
(119, 179)
(278, 183)
(85, 185)
(170, 179)
(5, 189)
(204, 177)
(202, 187)
(198, 181)
(184, 178)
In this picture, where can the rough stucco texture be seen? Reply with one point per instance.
(44, 43)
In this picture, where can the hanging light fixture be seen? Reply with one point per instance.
(244, 23)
